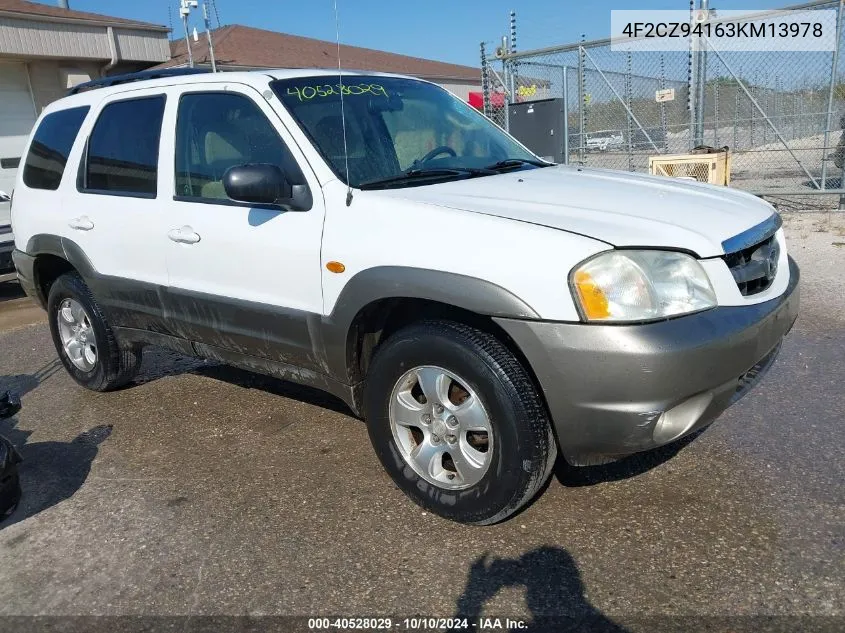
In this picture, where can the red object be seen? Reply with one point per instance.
(476, 100)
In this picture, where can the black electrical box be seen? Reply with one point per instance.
(539, 126)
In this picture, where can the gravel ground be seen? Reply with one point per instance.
(205, 491)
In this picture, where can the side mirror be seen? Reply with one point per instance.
(265, 183)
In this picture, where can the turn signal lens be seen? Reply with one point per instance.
(593, 300)
(335, 267)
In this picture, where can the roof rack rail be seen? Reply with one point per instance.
(114, 80)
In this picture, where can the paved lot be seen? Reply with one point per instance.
(204, 490)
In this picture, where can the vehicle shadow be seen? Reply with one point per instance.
(625, 468)
(159, 363)
(554, 593)
(50, 471)
(10, 288)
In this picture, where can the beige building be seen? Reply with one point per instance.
(44, 50)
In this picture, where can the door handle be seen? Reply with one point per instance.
(82, 223)
(185, 235)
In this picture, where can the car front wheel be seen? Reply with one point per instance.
(457, 422)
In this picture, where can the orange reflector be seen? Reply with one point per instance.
(335, 267)
(593, 300)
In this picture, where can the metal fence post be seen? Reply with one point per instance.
(582, 106)
(628, 108)
(700, 82)
(485, 82)
(663, 129)
(506, 86)
(565, 90)
(691, 87)
(833, 68)
(716, 114)
(736, 116)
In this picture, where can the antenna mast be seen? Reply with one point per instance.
(208, 35)
(342, 111)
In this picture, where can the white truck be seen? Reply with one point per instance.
(373, 236)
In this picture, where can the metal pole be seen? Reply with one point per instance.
(485, 82)
(766, 107)
(833, 67)
(736, 114)
(188, 41)
(582, 105)
(716, 114)
(565, 89)
(506, 82)
(506, 103)
(690, 76)
(628, 102)
(208, 35)
(512, 91)
(700, 82)
(514, 64)
(663, 129)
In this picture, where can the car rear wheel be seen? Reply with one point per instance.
(457, 422)
(83, 339)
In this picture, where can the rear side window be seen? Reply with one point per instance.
(47, 157)
(122, 153)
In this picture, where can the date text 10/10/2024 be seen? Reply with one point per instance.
(416, 624)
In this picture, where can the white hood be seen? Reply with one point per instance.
(619, 208)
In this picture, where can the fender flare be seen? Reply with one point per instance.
(394, 282)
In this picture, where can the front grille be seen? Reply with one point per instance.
(754, 268)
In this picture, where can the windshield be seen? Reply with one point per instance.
(396, 127)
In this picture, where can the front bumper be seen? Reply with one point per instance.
(613, 390)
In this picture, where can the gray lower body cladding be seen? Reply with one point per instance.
(607, 386)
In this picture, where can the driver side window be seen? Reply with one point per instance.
(419, 128)
(216, 131)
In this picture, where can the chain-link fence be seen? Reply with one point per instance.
(780, 113)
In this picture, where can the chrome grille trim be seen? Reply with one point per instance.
(754, 235)
(754, 268)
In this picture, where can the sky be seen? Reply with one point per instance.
(446, 30)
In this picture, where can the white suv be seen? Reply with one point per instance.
(480, 308)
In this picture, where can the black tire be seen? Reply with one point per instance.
(524, 448)
(115, 366)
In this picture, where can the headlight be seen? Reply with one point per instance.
(640, 286)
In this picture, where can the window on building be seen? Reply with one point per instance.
(48, 153)
(123, 148)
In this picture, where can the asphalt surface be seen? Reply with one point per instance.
(203, 490)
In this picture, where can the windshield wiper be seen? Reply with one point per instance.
(516, 162)
(416, 173)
